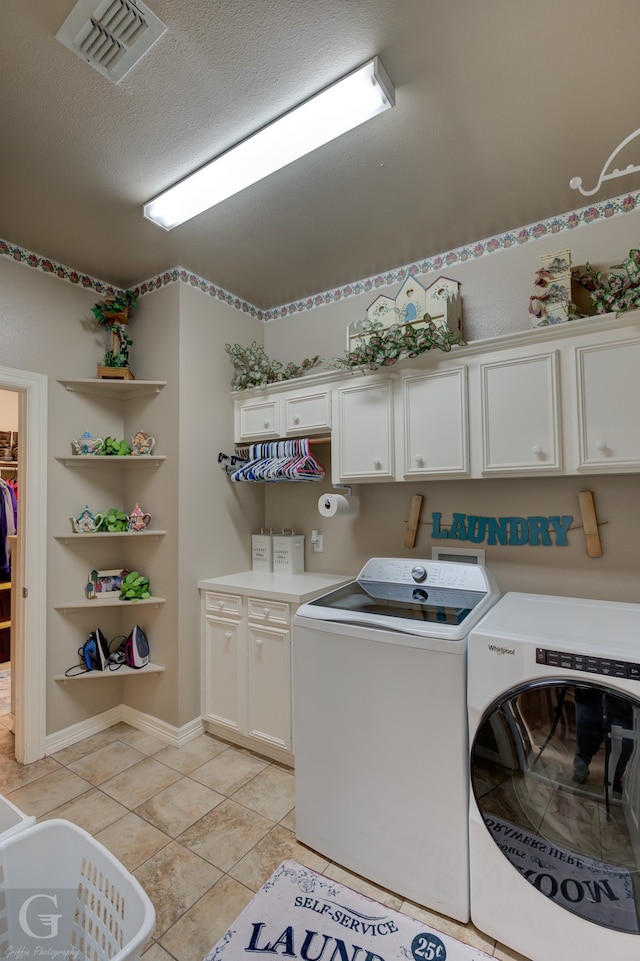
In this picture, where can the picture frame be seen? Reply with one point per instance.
(106, 583)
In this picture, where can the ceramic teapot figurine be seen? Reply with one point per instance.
(86, 444)
(86, 522)
(138, 520)
(141, 443)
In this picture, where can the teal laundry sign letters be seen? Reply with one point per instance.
(515, 531)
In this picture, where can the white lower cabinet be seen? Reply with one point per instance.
(247, 677)
(247, 623)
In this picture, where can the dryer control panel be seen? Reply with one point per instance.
(591, 665)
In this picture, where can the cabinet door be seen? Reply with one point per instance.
(435, 424)
(307, 413)
(520, 416)
(257, 419)
(363, 432)
(269, 693)
(608, 404)
(223, 673)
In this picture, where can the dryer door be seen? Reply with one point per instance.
(555, 772)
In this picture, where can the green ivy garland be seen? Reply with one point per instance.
(374, 347)
(613, 292)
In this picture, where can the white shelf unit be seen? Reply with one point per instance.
(69, 607)
(102, 535)
(109, 461)
(122, 671)
(118, 390)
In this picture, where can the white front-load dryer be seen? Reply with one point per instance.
(554, 818)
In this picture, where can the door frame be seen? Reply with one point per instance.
(28, 646)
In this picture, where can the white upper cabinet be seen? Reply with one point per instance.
(307, 412)
(520, 414)
(555, 400)
(608, 383)
(362, 446)
(257, 419)
(282, 412)
(433, 424)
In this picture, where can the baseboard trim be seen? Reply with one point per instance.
(78, 732)
(173, 736)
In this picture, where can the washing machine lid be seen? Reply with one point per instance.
(423, 597)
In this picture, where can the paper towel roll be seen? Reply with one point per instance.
(331, 505)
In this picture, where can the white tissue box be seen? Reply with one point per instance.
(288, 554)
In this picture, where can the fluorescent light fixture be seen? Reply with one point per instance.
(360, 95)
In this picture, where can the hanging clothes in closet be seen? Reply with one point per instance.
(8, 524)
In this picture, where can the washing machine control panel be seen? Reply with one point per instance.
(590, 665)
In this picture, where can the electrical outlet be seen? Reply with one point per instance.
(316, 540)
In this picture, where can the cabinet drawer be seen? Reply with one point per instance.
(263, 611)
(258, 419)
(227, 605)
(308, 413)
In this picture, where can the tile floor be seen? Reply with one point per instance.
(201, 827)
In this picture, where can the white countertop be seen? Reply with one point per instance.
(294, 588)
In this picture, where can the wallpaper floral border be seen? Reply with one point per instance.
(585, 216)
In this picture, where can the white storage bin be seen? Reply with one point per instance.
(12, 819)
(63, 894)
(288, 554)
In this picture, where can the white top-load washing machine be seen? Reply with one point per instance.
(554, 826)
(380, 725)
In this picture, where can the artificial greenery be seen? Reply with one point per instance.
(115, 521)
(379, 347)
(134, 587)
(114, 448)
(112, 315)
(375, 347)
(252, 367)
(113, 307)
(613, 292)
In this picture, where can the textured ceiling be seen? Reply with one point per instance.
(499, 103)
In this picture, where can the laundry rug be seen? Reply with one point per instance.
(587, 887)
(298, 914)
(5, 692)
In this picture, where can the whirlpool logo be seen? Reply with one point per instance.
(502, 650)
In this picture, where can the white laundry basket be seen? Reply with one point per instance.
(12, 819)
(64, 896)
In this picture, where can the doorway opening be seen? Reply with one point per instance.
(28, 567)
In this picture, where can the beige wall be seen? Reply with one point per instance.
(495, 291)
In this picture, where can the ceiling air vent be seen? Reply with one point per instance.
(111, 35)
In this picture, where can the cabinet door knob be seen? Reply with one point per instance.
(259, 642)
(266, 611)
(537, 449)
(265, 422)
(419, 458)
(601, 445)
(376, 462)
(227, 634)
(296, 419)
(220, 605)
